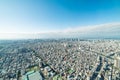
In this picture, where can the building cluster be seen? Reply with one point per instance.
(62, 59)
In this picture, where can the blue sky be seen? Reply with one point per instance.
(33, 16)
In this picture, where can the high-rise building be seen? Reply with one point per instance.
(117, 61)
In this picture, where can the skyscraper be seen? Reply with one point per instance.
(117, 61)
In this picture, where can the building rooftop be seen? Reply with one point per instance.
(35, 76)
(32, 76)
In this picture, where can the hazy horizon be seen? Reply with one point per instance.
(59, 18)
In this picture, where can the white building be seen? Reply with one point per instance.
(117, 61)
(32, 76)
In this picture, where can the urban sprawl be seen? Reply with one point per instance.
(60, 59)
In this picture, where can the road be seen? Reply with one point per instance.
(98, 69)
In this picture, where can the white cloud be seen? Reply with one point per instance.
(102, 30)
(93, 27)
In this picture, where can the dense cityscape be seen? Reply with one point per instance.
(60, 59)
(59, 39)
